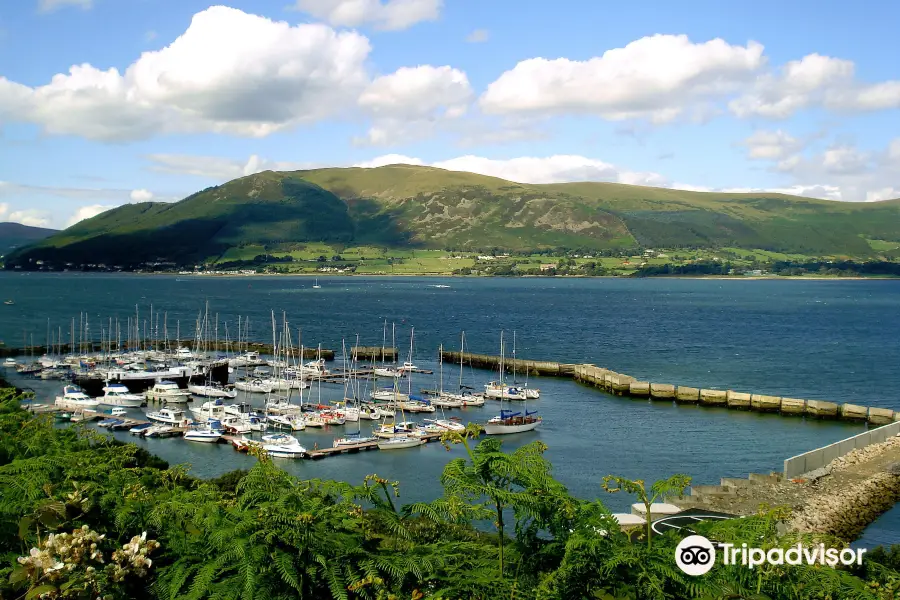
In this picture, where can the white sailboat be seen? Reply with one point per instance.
(317, 286)
(508, 421)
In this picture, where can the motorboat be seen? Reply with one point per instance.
(292, 422)
(398, 443)
(285, 451)
(116, 394)
(233, 424)
(109, 423)
(247, 359)
(139, 429)
(170, 416)
(204, 434)
(74, 398)
(167, 391)
(211, 391)
(117, 412)
(282, 439)
(9, 363)
(157, 430)
(315, 368)
(256, 386)
(211, 409)
(407, 367)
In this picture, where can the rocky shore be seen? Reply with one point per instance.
(841, 499)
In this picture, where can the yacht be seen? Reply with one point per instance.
(498, 391)
(408, 367)
(167, 391)
(446, 424)
(9, 363)
(508, 421)
(116, 394)
(292, 422)
(170, 416)
(247, 359)
(387, 372)
(74, 398)
(234, 424)
(281, 445)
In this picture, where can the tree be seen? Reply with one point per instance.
(676, 484)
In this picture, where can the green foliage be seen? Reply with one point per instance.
(72, 496)
(402, 206)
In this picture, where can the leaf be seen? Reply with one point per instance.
(25, 526)
(18, 575)
(41, 589)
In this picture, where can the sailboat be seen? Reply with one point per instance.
(317, 286)
(403, 434)
(530, 393)
(463, 396)
(508, 421)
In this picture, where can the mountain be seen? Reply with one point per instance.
(424, 207)
(16, 235)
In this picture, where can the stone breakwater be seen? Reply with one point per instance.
(626, 385)
(868, 485)
(841, 499)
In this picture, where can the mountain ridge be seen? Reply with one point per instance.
(407, 206)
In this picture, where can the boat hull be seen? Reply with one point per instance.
(503, 429)
(123, 402)
(400, 443)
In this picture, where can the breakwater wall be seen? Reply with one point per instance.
(362, 353)
(821, 457)
(626, 385)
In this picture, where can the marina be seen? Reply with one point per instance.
(589, 431)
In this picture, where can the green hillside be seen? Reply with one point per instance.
(409, 207)
(16, 235)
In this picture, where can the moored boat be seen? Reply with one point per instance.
(116, 394)
(398, 443)
(167, 391)
(74, 398)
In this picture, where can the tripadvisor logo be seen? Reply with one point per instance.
(696, 555)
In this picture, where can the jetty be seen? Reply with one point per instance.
(621, 384)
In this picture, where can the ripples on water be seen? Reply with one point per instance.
(832, 340)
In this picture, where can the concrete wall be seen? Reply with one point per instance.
(818, 458)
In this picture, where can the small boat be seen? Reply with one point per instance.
(233, 424)
(282, 439)
(9, 363)
(139, 429)
(211, 391)
(498, 391)
(398, 443)
(74, 398)
(109, 423)
(317, 286)
(395, 430)
(167, 391)
(204, 434)
(8, 302)
(417, 404)
(157, 431)
(116, 394)
(118, 412)
(63, 416)
(473, 400)
(408, 367)
(247, 359)
(243, 443)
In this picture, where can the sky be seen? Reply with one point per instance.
(106, 102)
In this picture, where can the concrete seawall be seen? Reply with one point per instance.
(626, 385)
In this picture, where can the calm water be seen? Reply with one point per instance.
(833, 340)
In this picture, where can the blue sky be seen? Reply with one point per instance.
(104, 102)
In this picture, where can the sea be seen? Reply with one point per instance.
(836, 340)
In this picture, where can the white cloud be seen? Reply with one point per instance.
(31, 217)
(658, 78)
(140, 195)
(390, 15)
(478, 36)
(771, 144)
(814, 80)
(4, 208)
(17, 190)
(86, 212)
(229, 72)
(218, 168)
(408, 103)
(48, 6)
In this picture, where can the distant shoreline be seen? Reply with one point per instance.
(449, 275)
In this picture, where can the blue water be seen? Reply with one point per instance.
(830, 340)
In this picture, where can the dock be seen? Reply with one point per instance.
(320, 453)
